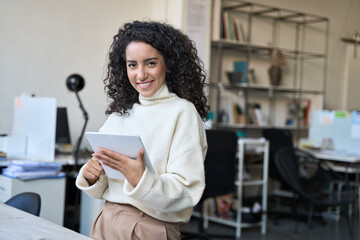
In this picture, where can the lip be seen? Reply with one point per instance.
(145, 85)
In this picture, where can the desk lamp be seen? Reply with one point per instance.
(76, 83)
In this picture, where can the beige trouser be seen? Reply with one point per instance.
(125, 222)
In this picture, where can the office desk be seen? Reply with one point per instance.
(51, 190)
(16, 224)
(332, 155)
(341, 157)
(338, 156)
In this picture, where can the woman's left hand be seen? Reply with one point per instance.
(132, 169)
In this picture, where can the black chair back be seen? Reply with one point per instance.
(28, 201)
(288, 167)
(220, 162)
(278, 138)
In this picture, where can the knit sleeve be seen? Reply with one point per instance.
(182, 185)
(96, 190)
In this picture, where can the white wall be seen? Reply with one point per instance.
(352, 75)
(44, 41)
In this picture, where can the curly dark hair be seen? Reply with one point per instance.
(185, 73)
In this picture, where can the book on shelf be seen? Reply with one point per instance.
(256, 115)
(232, 28)
(228, 27)
(236, 31)
(239, 29)
(225, 25)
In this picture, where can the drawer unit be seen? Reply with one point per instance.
(51, 191)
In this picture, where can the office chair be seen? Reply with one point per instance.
(28, 201)
(220, 174)
(278, 138)
(288, 167)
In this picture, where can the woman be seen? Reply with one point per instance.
(155, 82)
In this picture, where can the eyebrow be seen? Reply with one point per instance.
(146, 60)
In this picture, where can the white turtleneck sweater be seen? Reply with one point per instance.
(174, 137)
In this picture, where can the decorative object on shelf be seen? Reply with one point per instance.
(223, 117)
(251, 76)
(298, 112)
(235, 78)
(238, 115)
(278, 61)
(209, 122)
(242, 67)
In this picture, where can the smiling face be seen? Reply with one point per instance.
(145, 68)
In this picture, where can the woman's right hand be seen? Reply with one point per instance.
(93, 170)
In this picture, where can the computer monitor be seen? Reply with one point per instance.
(63, 138)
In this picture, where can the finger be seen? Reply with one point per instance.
(141, 155)
(90, 176)
(111, 159)
(107, 161)
(95, 172)
(96, 164)
(108, 152)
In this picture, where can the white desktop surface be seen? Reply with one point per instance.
(329, 155)
(16, 224)
(63, 159)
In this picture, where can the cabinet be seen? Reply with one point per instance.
(244, 145)
(260, 37)
(51, 191)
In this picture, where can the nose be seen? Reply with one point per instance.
(141, 74)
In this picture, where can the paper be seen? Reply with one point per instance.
(128, 145)
(33, 170)
(355, 126)
(327, 117)
(35, 118)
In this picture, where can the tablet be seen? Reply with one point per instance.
(128, 145)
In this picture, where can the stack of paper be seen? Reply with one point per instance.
(32, 170)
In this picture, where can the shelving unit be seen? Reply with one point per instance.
(302, 39)
(243, 144)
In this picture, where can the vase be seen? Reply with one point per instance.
(275, 75)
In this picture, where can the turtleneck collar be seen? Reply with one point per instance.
(161, 95)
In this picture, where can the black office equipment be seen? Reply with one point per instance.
(288, 167)
(28, 201)
(278, 138)
(220, 173)
(76, 83)
(62, 127)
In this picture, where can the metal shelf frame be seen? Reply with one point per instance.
(238, 224)
(250, 50)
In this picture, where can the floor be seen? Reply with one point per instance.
(283, 229)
